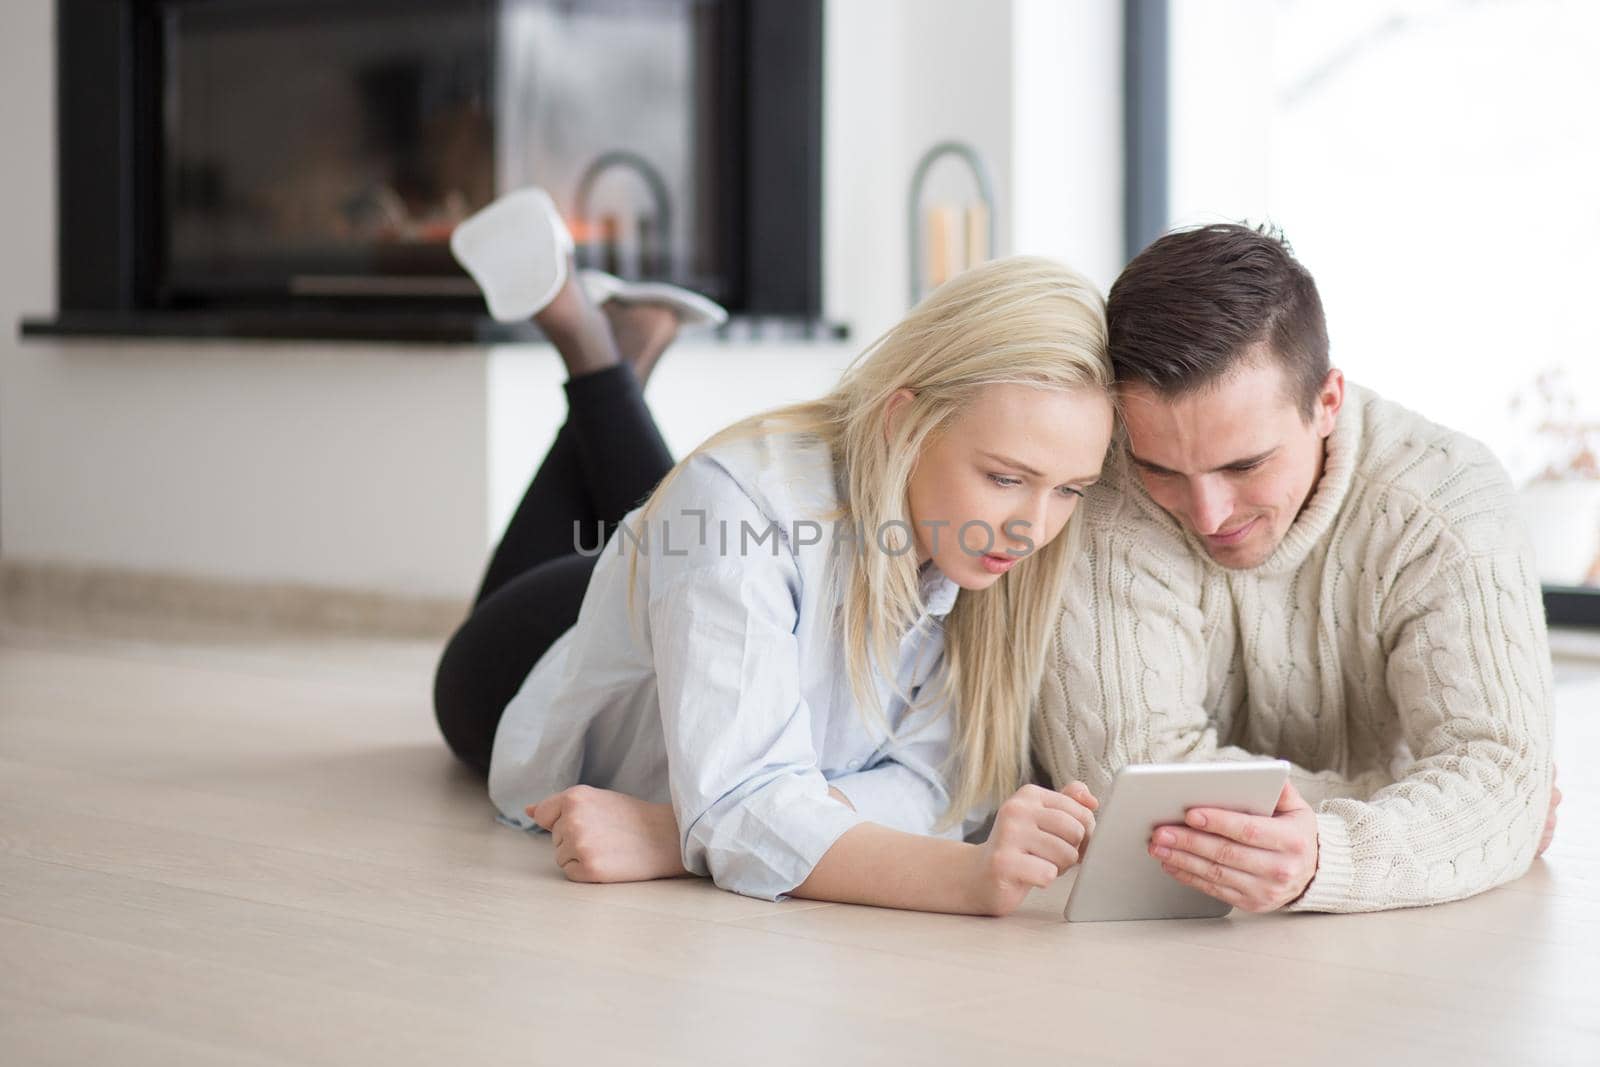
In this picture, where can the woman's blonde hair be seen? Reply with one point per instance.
(1023, 320)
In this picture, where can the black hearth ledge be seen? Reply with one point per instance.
(388, 326)
(282, 325)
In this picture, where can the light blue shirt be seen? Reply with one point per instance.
(724, 689)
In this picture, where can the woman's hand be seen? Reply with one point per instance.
(1038, 834)
(605, 836)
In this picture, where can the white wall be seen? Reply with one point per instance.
(1066, 134)
(392, 468)
(1034, 85)
(27, 256)
(1221, 100)
(336, 465)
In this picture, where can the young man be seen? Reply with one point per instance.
(1282, 564)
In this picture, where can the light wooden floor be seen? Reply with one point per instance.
(257, 851)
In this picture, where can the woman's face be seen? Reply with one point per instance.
(1002, 479)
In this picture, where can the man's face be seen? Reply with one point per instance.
(1234, 462)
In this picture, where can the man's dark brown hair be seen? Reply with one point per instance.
(1196, 302)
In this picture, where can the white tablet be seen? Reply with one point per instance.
(1119, 879)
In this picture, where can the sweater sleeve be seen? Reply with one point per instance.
(1126, 682)
(1469, 677)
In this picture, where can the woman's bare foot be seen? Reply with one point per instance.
(605, 836)
(643, 331)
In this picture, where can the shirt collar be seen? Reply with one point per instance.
(938, 592)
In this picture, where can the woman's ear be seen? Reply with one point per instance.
(893, 409)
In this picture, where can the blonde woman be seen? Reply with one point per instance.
(804, 666)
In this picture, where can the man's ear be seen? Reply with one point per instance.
(1330, 398)
(893, 410)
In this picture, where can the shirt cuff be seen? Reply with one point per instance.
(892, 795)
(772, 840)
(1330, 886)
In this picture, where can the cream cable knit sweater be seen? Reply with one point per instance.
(1393, 647)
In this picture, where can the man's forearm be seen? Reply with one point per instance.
(872, 864)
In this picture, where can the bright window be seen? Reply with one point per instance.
(1437, 168)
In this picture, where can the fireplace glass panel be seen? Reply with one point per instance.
(328, 149)
(614, 107)
(323, 148)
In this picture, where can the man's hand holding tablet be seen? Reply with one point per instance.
(1227, 843)
(1253, 862)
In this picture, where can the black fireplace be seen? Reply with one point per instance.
(295, 167)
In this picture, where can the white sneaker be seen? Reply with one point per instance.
(692, 308)
(516, 249)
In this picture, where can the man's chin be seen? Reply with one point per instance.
(1239, 557)
(1251, 550)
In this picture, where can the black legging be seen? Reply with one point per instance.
(607, 458)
